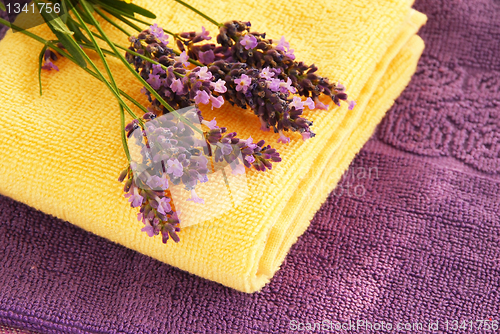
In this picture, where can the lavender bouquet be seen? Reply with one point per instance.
(171, 149)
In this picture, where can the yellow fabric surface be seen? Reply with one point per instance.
(61, 153)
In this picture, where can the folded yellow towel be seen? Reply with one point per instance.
(61, 153)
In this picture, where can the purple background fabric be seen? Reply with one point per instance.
(418, 241)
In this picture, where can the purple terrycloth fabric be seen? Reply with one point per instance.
(419, 240)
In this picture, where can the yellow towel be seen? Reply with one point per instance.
(61, 153)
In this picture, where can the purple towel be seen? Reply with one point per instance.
(410, 237)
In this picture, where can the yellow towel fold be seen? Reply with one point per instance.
(61, 153)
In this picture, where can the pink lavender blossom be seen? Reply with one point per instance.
(283, 139)
(239, 169)
(217, 102)
(175, 168)
(134, 198)
(205, 34)
(201, 97)
(309, 103)
(183, 58)
(158, 32)
(243, 83)
(249, 41)
(297, 103)
(154, 81)
(286, 86)
(352, 103)
(306, 135)
(250, 159)
(206, 57)
(177, 86)
(226, 148)
(155, 30)
(319, 104)
(204, 73)
(157, 69)
(250, 144)
(282, 44)
(195, 198)
(212, 125)
(285, 47)
(266, 73)
(219, 86)
(148, 229)
(163, 205)
(274, 85)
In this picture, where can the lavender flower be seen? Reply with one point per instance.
(159, 34)
(158, 182)
(175, 168)
(134, 198)
(219, 86)
(183, 59)
(242, 83)
(267, 96)
(206, 57)
(285, 47)
(48, 57)
(163, 205)
(237, 44)
(249, 42)
(148, 229)
(195, 198)
(212, 125)
(170, 147)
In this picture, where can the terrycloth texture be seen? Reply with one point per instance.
(10, 330)
(61, 153)
(421, 244)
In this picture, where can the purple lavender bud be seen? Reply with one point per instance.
(123, 174)
(206, 57)
(132, 125)
(48, 65)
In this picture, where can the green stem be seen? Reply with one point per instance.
(152, 61)
(86, 7)
(111, 78)
(199, 13)
(69, 57)
(192, 61)
(123, 135)
(111, 22)
(119, 16)
(140, 21)
(97, 75)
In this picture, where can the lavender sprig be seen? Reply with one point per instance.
(155, 212)
(267, 95)
(181, 87)
(238, 44)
